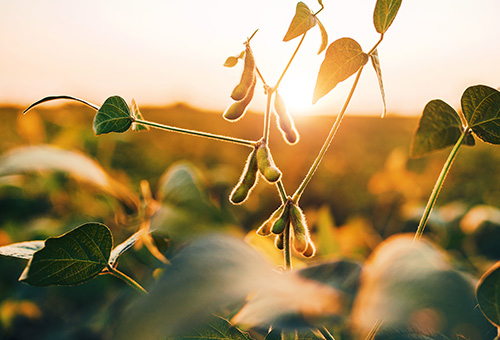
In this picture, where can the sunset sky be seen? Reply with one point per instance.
(162, 52)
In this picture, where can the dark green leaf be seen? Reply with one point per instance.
(302, 22)
(376, 65)
(343, 58)
(488, 294)
(49, 98)
(384, 14)
(113, 116)
(72, 258)
(324, 36)
(439, 127)
(217, 329)
(21, 250)
(481, 107)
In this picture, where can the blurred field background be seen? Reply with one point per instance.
(365, 190)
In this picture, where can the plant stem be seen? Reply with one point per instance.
(281, 191)
(437, 188)
(298, 193)
(326, 334)
(376, 45)
(287, 250)
(244, 142)
(115, 272)
(289, 62)
(267, 116)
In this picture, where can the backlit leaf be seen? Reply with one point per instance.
(231, 61)
(302, 22)
(376, 65)
(439, 127)
(343, 58)
(72, 258)
(481, 107)
(384, 14)
(324, 36)
(216, 329)
(113, 116)
(136, 113)
(22, 250)
(487, 294)
(50, 98)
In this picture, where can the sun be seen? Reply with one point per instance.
(297, 92)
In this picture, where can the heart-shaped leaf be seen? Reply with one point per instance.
(21, 250)
(439, 127)
(376, 65)
(302, 22)
(72, 258)
(113, 116)
(324, 36)
(481, 107)
(384, 14)
(487, 294)
(343, 58)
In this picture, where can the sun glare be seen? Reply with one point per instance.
(297, 92)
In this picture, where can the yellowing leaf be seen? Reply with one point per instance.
(376, 65)
(343, 58)
(324, 36)
(231, 61)
(302, 22)
(384, 14)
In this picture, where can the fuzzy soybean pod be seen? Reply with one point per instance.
(284, 219)
(247, 76)
(266, 164)
(285, 121)
(310, 250)
(247, 180)
(265, 228)
(300, 230)
(237, 109)
(279, 242)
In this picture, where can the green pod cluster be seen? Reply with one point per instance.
(301, 237)
(247, 76)
(265, 228)
(237, 109)
(284, 219)
(266, 164)
(247, 180)
(285, 121)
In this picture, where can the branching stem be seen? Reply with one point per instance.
(289, 62)
(437, 188)
(244, 142)
(115, 272)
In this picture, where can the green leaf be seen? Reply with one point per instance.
(343, 58)
(21, 250)
(50, 98)
(384, 14)
(481, 107)
(324, 37)
(72, 258)
(217, 329)
(113, 116)
(488, 294)
(136, 114)
(302, 22)
(376, 65)
(439, 127)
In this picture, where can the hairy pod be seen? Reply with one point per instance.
(283, 220)
(279, 242)
(237, 109)
(285, 121)
(300, 230)
(247, 180)
(241, 90)
(265, 228)
(310, 250)
(266, 164)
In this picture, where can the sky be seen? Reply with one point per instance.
(161, 52)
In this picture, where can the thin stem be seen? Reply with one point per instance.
(115, 272)
(289, 62)
(326, 334)
(267, 116)
(376, 45)
(437, 188)
(287, 249)
(298, 193)
(260, 76)
(244, 142)
(281, 191)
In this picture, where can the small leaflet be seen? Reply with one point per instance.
(376, 65)
(384, 14)
(136, 113)
(302, 22)
(324, 36)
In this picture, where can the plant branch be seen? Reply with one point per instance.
(289, 62)
(267, 116)
(325, 333)
(287, 247)
(281, 191)
(115, 272)
(298, 193)
(376, 45)
(244, 142)
(437, 188)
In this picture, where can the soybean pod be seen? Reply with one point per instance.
(237, 109)
(300, 230)
(241, 90)
(266, 164)
(285, 121)
(247, 180)
(283, 220)
(265, 228)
